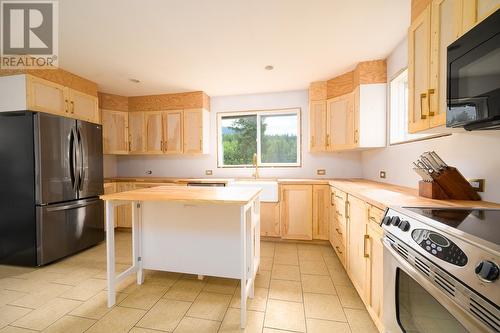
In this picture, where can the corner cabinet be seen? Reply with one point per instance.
(439, 25)
(115, 135)
(26, 92)
(196, 131)
(318, 136)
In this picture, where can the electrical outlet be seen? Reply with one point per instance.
(321, 172)
(149, 172)
(208, 172)
(382, 174)
(477, 184)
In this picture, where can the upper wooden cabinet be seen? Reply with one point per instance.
(136, 138)
(173, 131)
(318, 123)
(196, 131)
(153, 132)
(296, 212)
(439, 24)
(27, 92)
(474, 11)
(349, 112)
(115, 132)
(83, 106)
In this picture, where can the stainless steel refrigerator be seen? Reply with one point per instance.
(51, 176)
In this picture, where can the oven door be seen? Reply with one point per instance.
(413, 304)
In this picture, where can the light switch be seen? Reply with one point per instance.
(321, 172)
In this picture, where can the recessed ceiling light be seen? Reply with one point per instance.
(269, 68)
(134, 80)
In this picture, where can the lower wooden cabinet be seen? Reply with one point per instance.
(375, 273)
(321, 211)
(356, 244)
(296, 212)
(270, 219)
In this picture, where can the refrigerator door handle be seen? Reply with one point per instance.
(72, 159)
(66, 207)
(81, 171)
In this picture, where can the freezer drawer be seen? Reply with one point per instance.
(67, 228)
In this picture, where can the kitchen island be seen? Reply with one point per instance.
(213, 231)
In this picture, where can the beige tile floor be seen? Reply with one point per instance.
(300, 288)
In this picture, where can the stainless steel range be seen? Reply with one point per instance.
(441, 270)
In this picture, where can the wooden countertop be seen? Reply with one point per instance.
(169, 180)
(214, 195)
(383, 195)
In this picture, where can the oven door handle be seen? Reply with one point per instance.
(455, 309)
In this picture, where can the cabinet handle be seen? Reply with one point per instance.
(338, 231)
(328, 140)
(72, 107)
(201, 145)
(356, 136)
(347, 206)
(129, 146)
(312, 140)
(338, 197)
(332, 199)
(338, 213)
(66, 106)
(422, 115)
(430, 92)
(373, 219)
(338, 249)
(366, 255)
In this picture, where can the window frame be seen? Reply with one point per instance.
(409, 137)
(259, 113)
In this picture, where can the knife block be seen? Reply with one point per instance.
(455, 185)
(431, 190)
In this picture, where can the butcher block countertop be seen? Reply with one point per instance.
(383, 195)
(213, 195)
(169, 180)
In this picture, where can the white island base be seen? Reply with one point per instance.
(207, 238)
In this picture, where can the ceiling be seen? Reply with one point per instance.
(222, 46)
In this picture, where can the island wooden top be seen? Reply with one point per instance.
(214, 195)
(383, 195)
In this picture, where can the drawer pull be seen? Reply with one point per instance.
(338, 249)
(373, 219)
(339, 197)
(338, 213)
(338, 231)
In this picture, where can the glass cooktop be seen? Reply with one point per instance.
(482, 223)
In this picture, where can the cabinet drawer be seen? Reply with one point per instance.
(340, 249)
(375, 215)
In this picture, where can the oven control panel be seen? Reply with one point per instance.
(439, 246)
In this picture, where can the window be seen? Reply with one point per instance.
(398, 104)
(274, 136)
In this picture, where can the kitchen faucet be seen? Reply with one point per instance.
(256, 166)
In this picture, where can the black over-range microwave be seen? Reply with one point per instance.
(473, 92)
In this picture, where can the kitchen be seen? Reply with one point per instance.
(352, 206)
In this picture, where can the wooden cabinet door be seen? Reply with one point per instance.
(321, 211)
(115, 132)
(46, 96)
(418, 72)
(317, 126)
(154, 132)
(123, 212)
(375, 272)
(474, 11)
(172, 132)
(193, 131)
(136, 132)
(445, 29)
(83, 106)
(270, 219)
(296, 212)
(356, 244)
(340, 119)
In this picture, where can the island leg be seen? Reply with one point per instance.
(243, 241)
(110, 251)
(136, 240)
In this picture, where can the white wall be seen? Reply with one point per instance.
(337, 165)
(475, 154)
